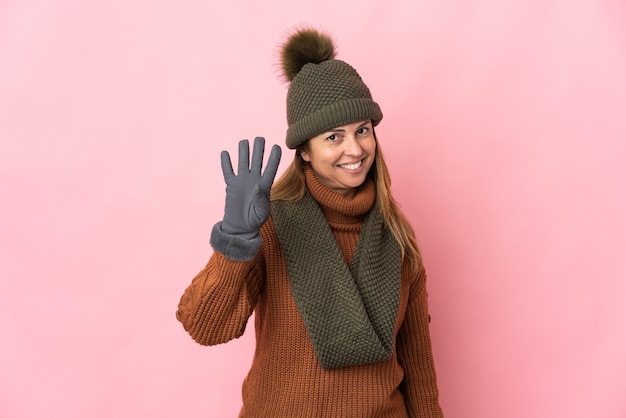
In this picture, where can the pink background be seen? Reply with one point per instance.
(505, 129)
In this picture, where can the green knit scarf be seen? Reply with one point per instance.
(349, 311)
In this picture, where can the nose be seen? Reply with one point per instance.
(352, 146)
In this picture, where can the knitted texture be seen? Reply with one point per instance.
(349, 312)
(324, 96)
(285, 377)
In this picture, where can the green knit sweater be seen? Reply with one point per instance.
(286, 379)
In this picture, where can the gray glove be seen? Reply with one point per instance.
(248, 193)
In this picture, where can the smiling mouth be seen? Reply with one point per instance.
(351, 166)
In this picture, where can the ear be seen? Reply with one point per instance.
(305, 156)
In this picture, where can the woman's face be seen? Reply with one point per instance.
(342, 157)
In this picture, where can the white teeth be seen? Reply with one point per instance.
(351, 166)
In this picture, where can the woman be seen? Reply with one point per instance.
(329, 264)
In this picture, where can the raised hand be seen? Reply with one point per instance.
(247, 193)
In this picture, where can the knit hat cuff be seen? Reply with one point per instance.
(331, 116)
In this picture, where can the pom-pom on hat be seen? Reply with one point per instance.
(325, 92)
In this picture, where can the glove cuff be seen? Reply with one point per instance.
(234, 247)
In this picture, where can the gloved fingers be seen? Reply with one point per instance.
(257, 155)
(271, 168)
(227, 167)
(244, 157)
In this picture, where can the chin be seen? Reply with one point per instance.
(357, 183)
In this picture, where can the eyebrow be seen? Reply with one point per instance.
(358, 127)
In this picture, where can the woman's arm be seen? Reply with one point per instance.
(216, 307)
(415, 355)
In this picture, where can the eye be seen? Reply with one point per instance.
(333, 138)
(363, 131)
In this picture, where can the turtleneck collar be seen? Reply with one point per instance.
(335, 205)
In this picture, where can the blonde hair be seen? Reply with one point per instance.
(291, 187)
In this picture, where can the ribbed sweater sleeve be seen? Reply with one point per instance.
(286, 378)
(216, 306)
(415, 355)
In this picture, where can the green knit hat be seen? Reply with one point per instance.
(324, 93)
